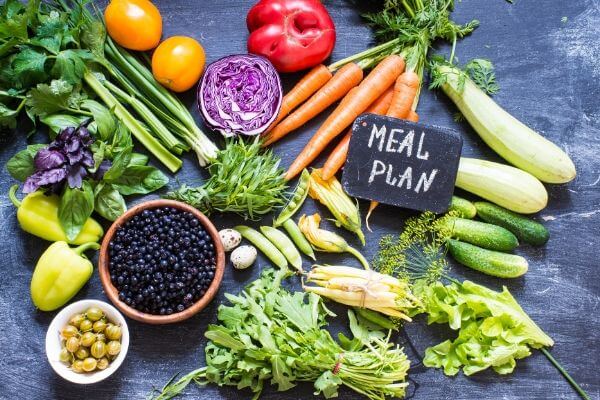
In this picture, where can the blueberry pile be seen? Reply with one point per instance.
(162, 261)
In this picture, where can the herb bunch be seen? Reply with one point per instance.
(244, 179)
(269, 335)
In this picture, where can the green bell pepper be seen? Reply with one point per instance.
(38, 215)
(59, 274)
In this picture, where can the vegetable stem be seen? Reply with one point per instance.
(360, 257)
(86, 246)
(367, 54)
(149, 141)
(565, 374)
(13, 196)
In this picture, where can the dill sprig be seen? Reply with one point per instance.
(418, 253)
(244, 179)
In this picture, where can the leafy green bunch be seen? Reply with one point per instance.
(269, 335)
(244, 179)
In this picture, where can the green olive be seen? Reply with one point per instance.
(89, 364)
(72, 344)
(102, 363)
(77, 366)
(100, 337)
(113, 332)
(94, 313)
(82, 353)
(76, 320)
(98, 349)
(88, 339)
(85, 325)
(113, 348)
(99, 326)
(64, 355)
(69, 331)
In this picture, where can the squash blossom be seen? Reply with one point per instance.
(327, 241)
(331, 195)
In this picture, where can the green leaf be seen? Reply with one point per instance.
(93, 38)
(120, 162)
(222, 337)
(138, 179)
(21, 165)
(109, 203)
(98, 150)
(48, 99)
(14, 18)
(138, 159)
(30, 66)
(58, 122)
(282, 374)
(8, 117)
(70, 65)
(76, 206)
(104, 118)
(328, 384)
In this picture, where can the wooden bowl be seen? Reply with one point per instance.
(112, 292)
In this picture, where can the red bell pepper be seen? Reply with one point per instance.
(292, 34)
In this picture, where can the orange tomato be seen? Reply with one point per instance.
(178, 62)
(134, 24)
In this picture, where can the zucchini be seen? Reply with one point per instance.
(463, 207)
(504, 185)
(510, 138)
(527, 230)
(489, 262)
(488, 236)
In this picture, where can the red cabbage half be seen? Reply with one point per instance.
(240, 94)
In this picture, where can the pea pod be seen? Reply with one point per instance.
(298, 238)
(295, 201)
(263, 244)
(284, 244)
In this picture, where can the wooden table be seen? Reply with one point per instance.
(547, 55)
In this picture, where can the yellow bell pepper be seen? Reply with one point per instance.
(59, 274)
(38, 215)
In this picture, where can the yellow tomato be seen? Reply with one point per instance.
(178, 63)
(134, 24)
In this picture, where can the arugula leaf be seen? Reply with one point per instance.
(328, 384)
(109, 203)
(138, 179)
(21, 166)
(76, 206)
(46, 99)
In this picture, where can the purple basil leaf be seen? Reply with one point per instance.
(44, 178)
(102, 168)
(88, 158)
(48, 159)
(76, 175)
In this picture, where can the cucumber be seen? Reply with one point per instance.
(463, 207)
(525, 229)
(489, 262)
(488, 236)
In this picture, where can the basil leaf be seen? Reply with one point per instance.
(109, 203)
(138, 159)
(104, 119)
(76, 206)
(20, 166)
(140, 179)
(58, 122)
(119, 163)
(98, 148)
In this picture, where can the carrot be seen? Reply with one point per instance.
(405, 91)
(373, 86)
(337, 158)
(306, 87)
(345, 79)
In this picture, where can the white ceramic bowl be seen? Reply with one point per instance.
(53, 341)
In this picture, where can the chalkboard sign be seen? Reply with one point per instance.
(402, 163)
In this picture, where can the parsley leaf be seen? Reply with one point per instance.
(46, 99)
(70, 65)
(29, 66)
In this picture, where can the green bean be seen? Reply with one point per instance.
(295, 201)
(298, 237)
(263, 244)
(284, 244)
(376, 318)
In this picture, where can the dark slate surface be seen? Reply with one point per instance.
(548, 67)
